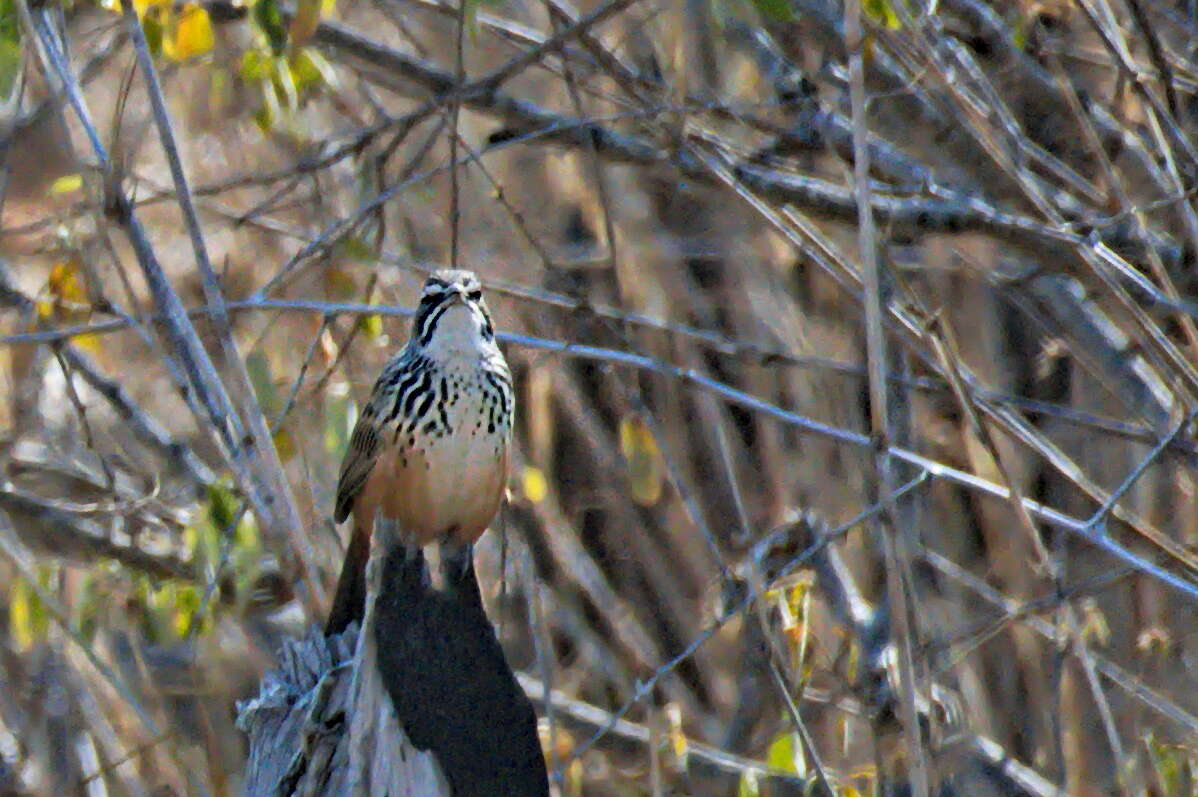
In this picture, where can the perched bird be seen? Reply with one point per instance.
(429, 458)
(430, 449)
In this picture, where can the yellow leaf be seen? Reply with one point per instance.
(68, 298)
(191, 539)
(186, 610)
(88, 341)
(192, 35)
(66, 184)
(246, 539)
(574, 775)
(27, 615)
(534, 484)
(645, 471)
(310, 71)
(562, 748)
(141, 6)
(20, 615)
(677, 735)
(881, 12)
(371, 325)
(780, 755)
(65, 286)
(256, 66)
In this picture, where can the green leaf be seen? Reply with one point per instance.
(285, 445)
(11, 61)
(353, 247)
(87, 609)
(246, 540)
(10, 23)
(1168, 762)
(882, 13)
(223, 505)
(304, 71)
(284, 83)
(152, 27)
(256, 66)
(470, 18)
(328, 76)
(338, 422)
(265, 116)
(10, 68)
(187, 609)
(781, 753)
(776, 10)
(264, 387)
(270, 21)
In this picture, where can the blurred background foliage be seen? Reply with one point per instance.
(713, 575)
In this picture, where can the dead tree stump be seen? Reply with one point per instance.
(310, 713)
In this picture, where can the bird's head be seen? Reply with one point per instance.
(452, 317)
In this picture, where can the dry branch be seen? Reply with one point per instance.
(903, 215)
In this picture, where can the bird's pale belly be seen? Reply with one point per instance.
(463, 465)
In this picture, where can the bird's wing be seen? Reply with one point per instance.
(359, 461)
(367, 439)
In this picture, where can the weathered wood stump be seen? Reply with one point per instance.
(311, 719)
(421, 703)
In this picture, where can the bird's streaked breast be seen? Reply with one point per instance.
(453, 445)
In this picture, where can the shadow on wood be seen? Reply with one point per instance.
(449, 681)
(424, 703)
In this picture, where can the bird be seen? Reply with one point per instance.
(430, 447)
(428, 462)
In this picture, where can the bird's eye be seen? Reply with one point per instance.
(475, 295)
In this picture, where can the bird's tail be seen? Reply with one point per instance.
(349, 602)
